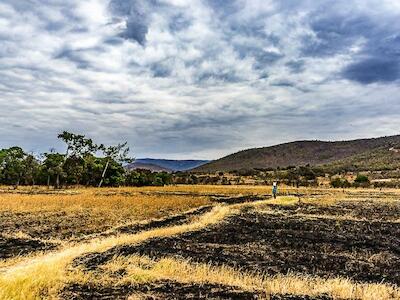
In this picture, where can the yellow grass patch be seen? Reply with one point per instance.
(61, 216)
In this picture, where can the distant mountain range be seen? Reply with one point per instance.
(166, 165)
(362, 154)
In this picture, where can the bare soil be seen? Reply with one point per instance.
(178, 219)
(11, 247)
(366, 209)
(52, 225)
(170, 290)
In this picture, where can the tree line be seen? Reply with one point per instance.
(83, 163)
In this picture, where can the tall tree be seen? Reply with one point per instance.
(118, 153)
(54, 167)
(12, 165)
(79, 148)
(32, 169)
(77, 144)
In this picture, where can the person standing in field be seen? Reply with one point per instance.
(274, 189)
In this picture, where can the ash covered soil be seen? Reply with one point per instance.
(171, 290)
(11, 247)
(281, 241)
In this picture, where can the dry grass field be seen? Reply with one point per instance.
(210, 242)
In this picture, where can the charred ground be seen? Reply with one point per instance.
(321, 234)
(282, 241)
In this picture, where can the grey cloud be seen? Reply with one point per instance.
(378, 56)
(335, 34)
(160, 70)
(283, 83)
(224, 8)
(296, 66)
(179, 22)
(210, 77)
(136, 14)
(373, 70)
(379, 61)
(113, 40)
(74, 56)
(135, 30)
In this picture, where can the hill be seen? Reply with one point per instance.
(334, 154)
(382, 158)
(168, 165)
(154, 168)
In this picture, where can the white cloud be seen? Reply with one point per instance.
(206, 81)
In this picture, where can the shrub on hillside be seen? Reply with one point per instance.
(361, 180)
(340, 183)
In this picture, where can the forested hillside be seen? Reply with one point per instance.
(311, 153)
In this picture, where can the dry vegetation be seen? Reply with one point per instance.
(70, 215)
(199, 242)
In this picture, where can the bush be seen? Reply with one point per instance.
(340, 183)
(387, 184)
(307, 173)
(336, 183)
(361, 181)
(141, 177)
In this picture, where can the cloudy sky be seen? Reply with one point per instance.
(198, 78)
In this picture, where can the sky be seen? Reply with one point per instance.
(197, 79)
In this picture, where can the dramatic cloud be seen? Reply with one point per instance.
(201, 78)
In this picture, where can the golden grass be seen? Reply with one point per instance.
(62, 216)
(91, 199)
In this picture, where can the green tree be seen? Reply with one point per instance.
(12, 165)
(32, 169)
(307, 173)
(340, 183)
(53, 165)
(118, 153)
(362, 180)
(79, 149)
(77, 144)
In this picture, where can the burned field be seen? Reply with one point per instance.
(364, 251)
(173, 290)
(323, 245)
(158, 290)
